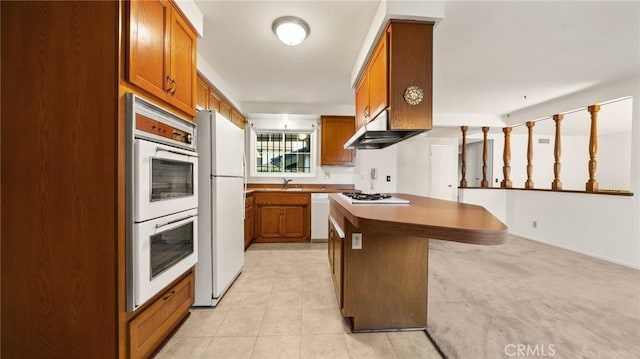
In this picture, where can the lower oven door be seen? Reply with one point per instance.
(164, 249)
(165, 180)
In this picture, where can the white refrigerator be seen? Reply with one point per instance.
(221, 176)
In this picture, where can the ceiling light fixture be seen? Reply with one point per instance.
(290, 30)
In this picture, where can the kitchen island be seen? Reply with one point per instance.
(378, 255)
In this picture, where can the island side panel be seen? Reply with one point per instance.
(385, 282)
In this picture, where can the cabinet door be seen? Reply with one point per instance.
(378, 84)
(293, 222)
(269, 221)
(183, 64)
(336, 130)
(202, 94)
(335, 245)
(362, 101)
(148, 58)
(225, 110)
(237, 118)
(214, 100)
(248, 223)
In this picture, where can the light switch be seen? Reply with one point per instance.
(356, 241)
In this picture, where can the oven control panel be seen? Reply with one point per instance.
(145, 124)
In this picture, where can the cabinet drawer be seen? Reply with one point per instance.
(290, 199)
(152, 326)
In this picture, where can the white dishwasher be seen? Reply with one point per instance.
(319, 216)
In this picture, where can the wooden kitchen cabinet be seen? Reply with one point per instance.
(208, 98)
(336, 130)
(148, 330)
(248, 222)
(362, 100)
(402, 60)
(335, 245)
(214, 100)
(282, 217)
(202, 94)
(162, 53)
(371, 91)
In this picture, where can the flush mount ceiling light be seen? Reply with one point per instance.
(290, 29)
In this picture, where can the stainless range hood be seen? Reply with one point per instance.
(376, 134)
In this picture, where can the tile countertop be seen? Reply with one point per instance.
(302, 188)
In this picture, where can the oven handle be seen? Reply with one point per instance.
(160, 149)
(172, 222)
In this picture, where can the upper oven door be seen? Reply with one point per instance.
(165, 180)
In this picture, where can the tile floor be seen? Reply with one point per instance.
(283, 306)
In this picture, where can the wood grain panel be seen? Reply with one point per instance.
(59, 181)
(410, 64)
(386, 281)
(362, 101)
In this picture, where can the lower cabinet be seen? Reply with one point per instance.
(248, 222)
(335, 245)
(282, 217)
(151, 327)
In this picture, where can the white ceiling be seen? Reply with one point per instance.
(487, 55)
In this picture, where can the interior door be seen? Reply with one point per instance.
(443, 172)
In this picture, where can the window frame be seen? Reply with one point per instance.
(313, 150)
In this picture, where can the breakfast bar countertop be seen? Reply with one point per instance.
(426, 217)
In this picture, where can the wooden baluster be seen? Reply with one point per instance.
(556, 185)
(592, 184)
(463, 181)
(528, 184)
(506, 157)
(484, 183)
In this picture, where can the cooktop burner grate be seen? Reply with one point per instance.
(367, 196)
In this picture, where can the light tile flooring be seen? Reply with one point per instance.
(283, 306)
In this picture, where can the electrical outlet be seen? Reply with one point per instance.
(356, 241)
(327, 175)
(534, 224)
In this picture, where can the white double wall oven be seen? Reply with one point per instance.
(162, 199)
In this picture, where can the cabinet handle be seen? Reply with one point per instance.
(366, 112)
(174, 85)
(169, 84)
(169, 296)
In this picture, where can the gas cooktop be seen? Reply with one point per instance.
(372, 198)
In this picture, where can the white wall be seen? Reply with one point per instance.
(598, 225)
(494, 201)
(414, 162)
(614, 161)
(385, 163)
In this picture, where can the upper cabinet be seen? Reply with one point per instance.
(371, 91)
(335, 131)
(162, 53)
(209, 99)
(398, 77)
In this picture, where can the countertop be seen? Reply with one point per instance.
(426, 217)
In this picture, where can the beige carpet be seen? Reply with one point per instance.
(525, 299)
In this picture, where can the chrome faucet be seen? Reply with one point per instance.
(286, 182)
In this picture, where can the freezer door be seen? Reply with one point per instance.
(228, 148)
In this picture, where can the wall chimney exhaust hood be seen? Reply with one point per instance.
(376, 134)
